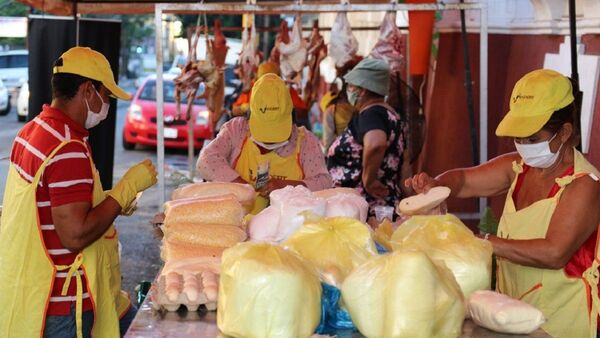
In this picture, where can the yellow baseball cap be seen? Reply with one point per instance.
(535, 97)
(88, 63)
(270, 110)
(268, 67)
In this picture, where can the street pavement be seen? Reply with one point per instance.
(140, 256)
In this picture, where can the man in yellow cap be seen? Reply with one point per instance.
(266, 145)
(59, 261)
(547, 240)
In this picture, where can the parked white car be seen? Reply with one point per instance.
(23, 103)
(14, 66)
(4, 99)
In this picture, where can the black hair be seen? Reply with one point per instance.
(567, 114)
(66, 85)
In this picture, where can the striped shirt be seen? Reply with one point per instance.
(67, 178)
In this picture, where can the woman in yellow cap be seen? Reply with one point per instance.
(266, 144)
(547, 241)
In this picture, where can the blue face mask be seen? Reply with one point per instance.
(352, 97)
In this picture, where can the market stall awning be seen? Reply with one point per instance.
(66, 7)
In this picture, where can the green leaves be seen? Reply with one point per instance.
(488, 223)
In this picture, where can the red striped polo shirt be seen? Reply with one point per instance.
(67, 178)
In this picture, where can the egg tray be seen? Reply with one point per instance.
(191, 290)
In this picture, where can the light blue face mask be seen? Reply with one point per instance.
(352, 96)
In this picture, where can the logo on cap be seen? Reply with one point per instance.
(516, 98)
(264, 110)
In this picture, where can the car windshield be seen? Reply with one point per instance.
(149, 92)
(13, 61)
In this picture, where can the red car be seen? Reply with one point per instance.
(140, 121)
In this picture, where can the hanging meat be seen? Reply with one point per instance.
(391, 47)
(343, 45)
(293, 54)
(282, 37)
(192, 74)
(249, 57)
(317, 51)
(216, 52)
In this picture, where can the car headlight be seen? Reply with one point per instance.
(202, 118)
(135, 112)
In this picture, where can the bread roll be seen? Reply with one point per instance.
(173, 250)
(327, 193)
(244, 193)
(222, 210)
(205, 234)
(423, 202)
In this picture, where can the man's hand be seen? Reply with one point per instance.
(275, 184)
(138, 178)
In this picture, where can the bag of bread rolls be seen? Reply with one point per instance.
(266, 291)
(219, 210)
(244, 193)
(205, 234)
(173, 249)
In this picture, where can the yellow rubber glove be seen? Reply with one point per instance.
(138, 178)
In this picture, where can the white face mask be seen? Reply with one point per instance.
(93, 119)
(271, 146)
(538, 155)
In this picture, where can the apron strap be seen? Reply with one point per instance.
(74, 270)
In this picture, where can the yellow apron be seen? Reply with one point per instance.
(27, 272)
(283, 168)
(562, 299)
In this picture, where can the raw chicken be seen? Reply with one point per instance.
(348, 205)
(317, 51)
(249, 58)
(343, 45)
(282, 37)
(293, 54)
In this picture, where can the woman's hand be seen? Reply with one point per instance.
(376, 189)
(421, 183)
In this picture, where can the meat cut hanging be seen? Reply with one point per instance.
(343, 45)
(293, 54)
(249, 57)
(317, 51)
(216, 51)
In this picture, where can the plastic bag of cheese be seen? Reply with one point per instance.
(446, 239)
(404, 295)
(501, 313)
(335, 246)
(266, 291)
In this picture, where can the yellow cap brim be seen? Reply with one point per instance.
(271, 131)
(519, 126)
(117, 91)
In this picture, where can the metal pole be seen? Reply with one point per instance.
(76, 23)
(469, 87)
(483, 92)
(160, 121)
(574, 66)
(191, 166)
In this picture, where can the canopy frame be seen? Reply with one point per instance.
(298, 7)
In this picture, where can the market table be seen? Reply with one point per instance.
(149, 323)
